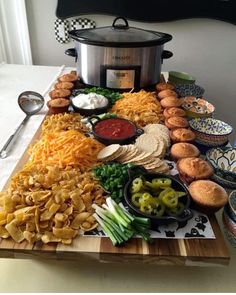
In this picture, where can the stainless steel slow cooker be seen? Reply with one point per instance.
(119, 57)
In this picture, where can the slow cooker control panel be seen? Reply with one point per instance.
(120, 77)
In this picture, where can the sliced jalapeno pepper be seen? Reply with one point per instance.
(166, 191)
(148, 185)
(170, 200)
(145, 198)
(180, 194)
(177, 210)
(145, 208)
(153, 206)
(137, 185)
(136, 198)
(161, 183)
(159, 209)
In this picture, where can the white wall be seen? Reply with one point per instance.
(205, 48)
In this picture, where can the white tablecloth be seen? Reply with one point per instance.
(14, 79)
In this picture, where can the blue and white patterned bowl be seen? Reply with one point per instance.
(210, 131)
(189, 90)
(224, 162)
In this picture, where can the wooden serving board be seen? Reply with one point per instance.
(189, 252)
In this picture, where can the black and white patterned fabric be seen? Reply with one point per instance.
(82, 23)
(62, 27)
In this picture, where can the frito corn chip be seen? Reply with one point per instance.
(49, 203)
(61, 217)
(44, 224)
(79, 219)
(46, 215)
(54, 208)
(36, 219)
(9, 204)
(58, 224)
(10, 217)
(15, 231)
(64, 233)
(78, 203)
(30, 226)
(87, 226)
(66, 241)
(48, 237)
(29, 236)
(68, 211)
(40, 196)
(3, 217)
(3, 232)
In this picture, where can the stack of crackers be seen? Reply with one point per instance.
(148, 150)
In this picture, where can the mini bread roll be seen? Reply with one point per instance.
(191, 169)
(59, 93)
(165, 93)
(171, 101)
(58, 105)
(182, 135)
(164, 86)
(64, 85)
(184, 150)
(174, 112)
(176, 122)
(208, 195)
(68, 78)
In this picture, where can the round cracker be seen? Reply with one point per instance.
(146, 142)
(140, 156)
(132, 152)
(155, 128)
(108, 151)
(161, 148)
(114, 156)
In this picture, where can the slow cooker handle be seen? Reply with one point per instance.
(166, 54)
(72, 52)
(120, 26)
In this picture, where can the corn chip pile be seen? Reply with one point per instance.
(50, 199)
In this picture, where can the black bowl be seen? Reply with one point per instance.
(108, 141)
(90, 112)
(137, 171)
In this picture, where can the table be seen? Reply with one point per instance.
(178, 252)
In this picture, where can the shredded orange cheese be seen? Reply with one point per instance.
(66, 148)
(140, 107)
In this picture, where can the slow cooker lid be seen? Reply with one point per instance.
(120, 35)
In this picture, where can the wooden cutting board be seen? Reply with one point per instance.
(187, 252)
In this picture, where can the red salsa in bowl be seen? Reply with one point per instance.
(115, 130)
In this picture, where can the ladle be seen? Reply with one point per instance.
(31, 103)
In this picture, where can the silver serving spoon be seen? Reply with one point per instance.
(31, 103)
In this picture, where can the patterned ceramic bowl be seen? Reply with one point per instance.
(180, 78)
(189, 90)
(210, 131)
(224, 182)
(224, 162)
(197, 107)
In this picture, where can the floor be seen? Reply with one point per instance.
(65, 276)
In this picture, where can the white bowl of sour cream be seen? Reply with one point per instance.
(90, 104)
